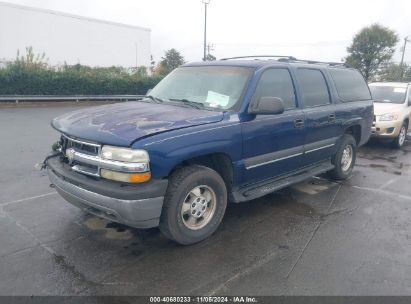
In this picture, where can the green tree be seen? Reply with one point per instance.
(407, 74)
(371, 48)
(172, 59)
(393, 71)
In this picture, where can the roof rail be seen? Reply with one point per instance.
(260, 56)
(323, 62)
(289, 59)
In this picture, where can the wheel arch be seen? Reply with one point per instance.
(355, 131)
(219, 162)
(407, 121)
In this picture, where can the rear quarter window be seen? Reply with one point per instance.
(350, 85)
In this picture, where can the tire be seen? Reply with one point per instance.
(192, 190)
(400, 139)
(343, 165)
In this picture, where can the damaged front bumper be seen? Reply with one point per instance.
(134, 205)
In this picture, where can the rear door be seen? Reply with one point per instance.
(354, 105)
(274, 144)
(320, 115)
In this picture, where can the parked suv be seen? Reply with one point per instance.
(392, 109)
(209, 133)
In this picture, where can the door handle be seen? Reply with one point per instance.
(299, 123)
(331, 117)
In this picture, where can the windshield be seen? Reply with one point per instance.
(388, 94)
(214, 87)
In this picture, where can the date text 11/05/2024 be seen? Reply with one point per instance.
(204, 299)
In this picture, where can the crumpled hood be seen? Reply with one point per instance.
(386, 108)
(122, 124)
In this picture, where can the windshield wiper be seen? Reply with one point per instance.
(153, 98)
(194, 104)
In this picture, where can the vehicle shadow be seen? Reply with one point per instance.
(238, 218)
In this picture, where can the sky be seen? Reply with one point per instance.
(313, 29)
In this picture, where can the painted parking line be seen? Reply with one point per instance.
(27, 199)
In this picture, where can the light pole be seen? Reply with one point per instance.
(206, 2)
(402, 57)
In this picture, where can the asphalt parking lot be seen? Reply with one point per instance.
(316, 238)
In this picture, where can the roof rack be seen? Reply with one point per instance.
(289, 59)
(260, 56)
(323, 62)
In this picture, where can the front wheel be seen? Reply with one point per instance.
(194, 204)
(344, 159)
(400, 139)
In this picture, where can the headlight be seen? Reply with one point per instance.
(389, 117)
(140, 173)
(125, 154)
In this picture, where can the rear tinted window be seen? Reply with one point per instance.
(277, 83)
(350, 85)
(314, 87)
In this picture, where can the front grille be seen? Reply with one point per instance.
(80, 146)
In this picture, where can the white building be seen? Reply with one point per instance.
(71, 39)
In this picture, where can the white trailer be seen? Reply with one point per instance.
(71, 39)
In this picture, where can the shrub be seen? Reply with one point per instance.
(25, 78)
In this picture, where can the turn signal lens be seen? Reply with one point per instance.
(133, 178)
(139, 177)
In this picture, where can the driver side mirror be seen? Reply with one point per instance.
(266, 106)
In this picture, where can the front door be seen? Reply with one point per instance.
(274, 144)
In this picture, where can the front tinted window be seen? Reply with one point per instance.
(388, 94)
(314, 87)
(350, 85)
(277, 83)
(218, 87)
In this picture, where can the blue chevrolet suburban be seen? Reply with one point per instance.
(211, 133)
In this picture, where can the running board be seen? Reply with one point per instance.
(264, 188)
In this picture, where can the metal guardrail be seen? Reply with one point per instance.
(77, 98)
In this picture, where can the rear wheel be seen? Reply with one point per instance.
(400, 139)
(194, 204)
(344, 159)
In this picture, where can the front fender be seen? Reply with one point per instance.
(167, 150)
